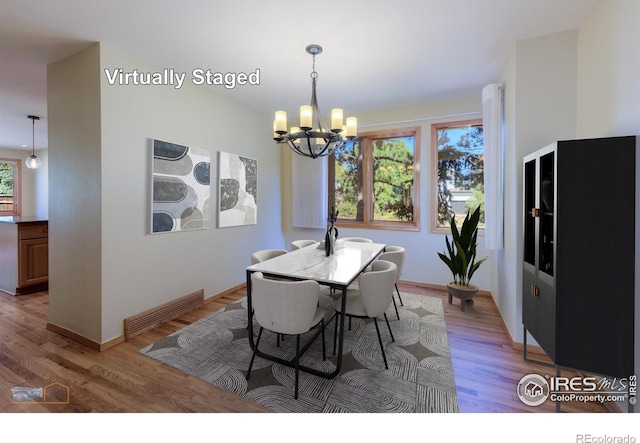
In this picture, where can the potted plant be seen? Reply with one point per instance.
(460, 257)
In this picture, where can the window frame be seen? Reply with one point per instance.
(17, 172)
(435, 229)
(367, 139)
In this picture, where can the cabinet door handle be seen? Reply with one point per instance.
(45, 230)
(535, 212)
(535, 291)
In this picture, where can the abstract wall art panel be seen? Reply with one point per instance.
(238, 190)
(181, 188)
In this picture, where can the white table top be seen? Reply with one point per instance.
(312, 263)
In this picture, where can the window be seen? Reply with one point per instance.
(373, 181)
(9, 187)
(458, 158)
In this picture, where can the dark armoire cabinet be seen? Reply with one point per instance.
(579, 253)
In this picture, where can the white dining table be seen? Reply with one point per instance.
(338, 271)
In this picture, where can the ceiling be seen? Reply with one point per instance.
(377, 53)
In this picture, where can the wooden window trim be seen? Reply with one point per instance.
(435, 229)
(369, 223)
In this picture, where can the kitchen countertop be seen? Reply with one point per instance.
(26, 219)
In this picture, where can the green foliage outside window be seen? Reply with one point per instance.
(460, 172)
(6, 179)
(348, 178)
(393, 177)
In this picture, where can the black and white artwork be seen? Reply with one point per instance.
(181, 188)
(238, 190)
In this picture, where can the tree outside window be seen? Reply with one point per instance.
(373, 180)
(9, 187)
(459, 153)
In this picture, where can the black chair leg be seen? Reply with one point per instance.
(297, 364)
(254, 353)
(384, 357)
(399, 298)
(395, 306)
(335, 333)
(388, 326)
(324, 351)
(252, 312)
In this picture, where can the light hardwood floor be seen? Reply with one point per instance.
(486, 367)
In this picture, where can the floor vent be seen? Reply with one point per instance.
(146, 320)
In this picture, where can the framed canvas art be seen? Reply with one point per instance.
(181, 188)
(237, 190)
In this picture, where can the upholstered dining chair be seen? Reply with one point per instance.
(396, 255)
(266, 254)
(371, 299)
(298, 244)
(286, 307)
(357, 239)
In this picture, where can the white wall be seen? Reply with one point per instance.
(73, 110)
(34, 188)
(540, 107)
(609, 70)
(135, 270)
(422, 263)
(42, 185)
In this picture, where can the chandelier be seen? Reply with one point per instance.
(309, 139)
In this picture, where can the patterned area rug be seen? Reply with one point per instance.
(419, 379)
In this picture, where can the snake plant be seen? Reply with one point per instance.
(460, 255)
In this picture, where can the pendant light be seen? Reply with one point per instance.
(33, 162)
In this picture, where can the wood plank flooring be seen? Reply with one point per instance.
(486, 367)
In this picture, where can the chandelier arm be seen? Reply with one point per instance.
(310, 151)
(324, 149)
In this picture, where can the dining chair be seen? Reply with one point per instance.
(357, 239)
(371, 299)
(396, 255)
(266, 254)
(298, 244)
(286, 307)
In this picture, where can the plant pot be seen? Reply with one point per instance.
(464, 293)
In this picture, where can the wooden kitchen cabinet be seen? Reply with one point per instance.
(24, 255)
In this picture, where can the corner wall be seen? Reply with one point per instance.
(540, 107)
(75, 188)
(104, 167)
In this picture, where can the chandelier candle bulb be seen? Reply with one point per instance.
(352, 126)
(306, 117)
(336, 119)
(281, 122)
